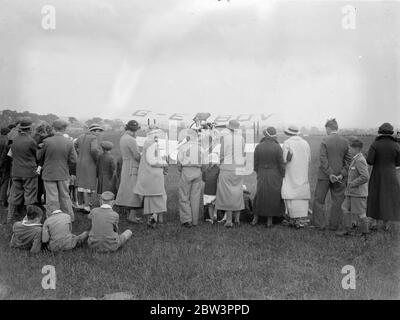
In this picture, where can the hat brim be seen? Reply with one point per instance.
(290, 133)
(96, 128)
(24, 127)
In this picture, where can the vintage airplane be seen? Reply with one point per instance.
(202, 122)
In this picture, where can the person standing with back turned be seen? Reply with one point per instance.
(332, 174)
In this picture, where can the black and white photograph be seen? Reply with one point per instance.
(218, 152)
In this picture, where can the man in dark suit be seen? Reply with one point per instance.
(57, 154)
(23, 170)
(334, 163)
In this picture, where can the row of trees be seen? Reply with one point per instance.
(115, 124)
(9, 116)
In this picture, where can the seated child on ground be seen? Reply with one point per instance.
(57, 230)
(27, 234)
(104, 235)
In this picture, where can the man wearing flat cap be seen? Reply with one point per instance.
(57, 154)
(23, 171)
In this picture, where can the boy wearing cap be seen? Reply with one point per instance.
(57, 230)
(27, 234)
(355, 202)
(104, 235)
(106, 169)
(57, 154)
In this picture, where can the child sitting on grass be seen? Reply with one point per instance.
(104, 235)
(57, 230)
(210, 178)
(27, 234)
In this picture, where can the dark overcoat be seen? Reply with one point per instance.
(106, 174)
(270, 169)
(88, 150)
(384, 187)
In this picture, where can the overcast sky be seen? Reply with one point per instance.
(293, 58)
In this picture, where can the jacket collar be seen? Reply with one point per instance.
(385, 136)
(357, 156)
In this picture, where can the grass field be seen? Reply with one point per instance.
(211, 262)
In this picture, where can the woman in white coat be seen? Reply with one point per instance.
(296, 187)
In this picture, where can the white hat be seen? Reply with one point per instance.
(292, 130)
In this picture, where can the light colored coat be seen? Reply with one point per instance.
(357, 183)
(150, 180)
(129, 171)
(296, 185)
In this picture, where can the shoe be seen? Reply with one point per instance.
(187, 225)
(86, 209)
(210, 221)
(137, 220)
(152, 223)
(254, 222)
(228, 225)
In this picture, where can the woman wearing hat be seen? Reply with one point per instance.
(230, 184)
(384, 187)
(88, 150)
(150, 181)
(129, 172)
(296, 187)
(270, 169)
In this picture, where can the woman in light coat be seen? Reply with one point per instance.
(296, 187)
(129, 171)
(150, 182)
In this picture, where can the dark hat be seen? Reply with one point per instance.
(233, 125)
(132, 125)
(25, 123)
(292, 130)
(5, 131)
(270, 131)
(60, 124)
(356, 143)
(386, 128)
(107, 196)
(107, 145)
(95, 126)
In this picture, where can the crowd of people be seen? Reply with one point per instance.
(46, 166)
